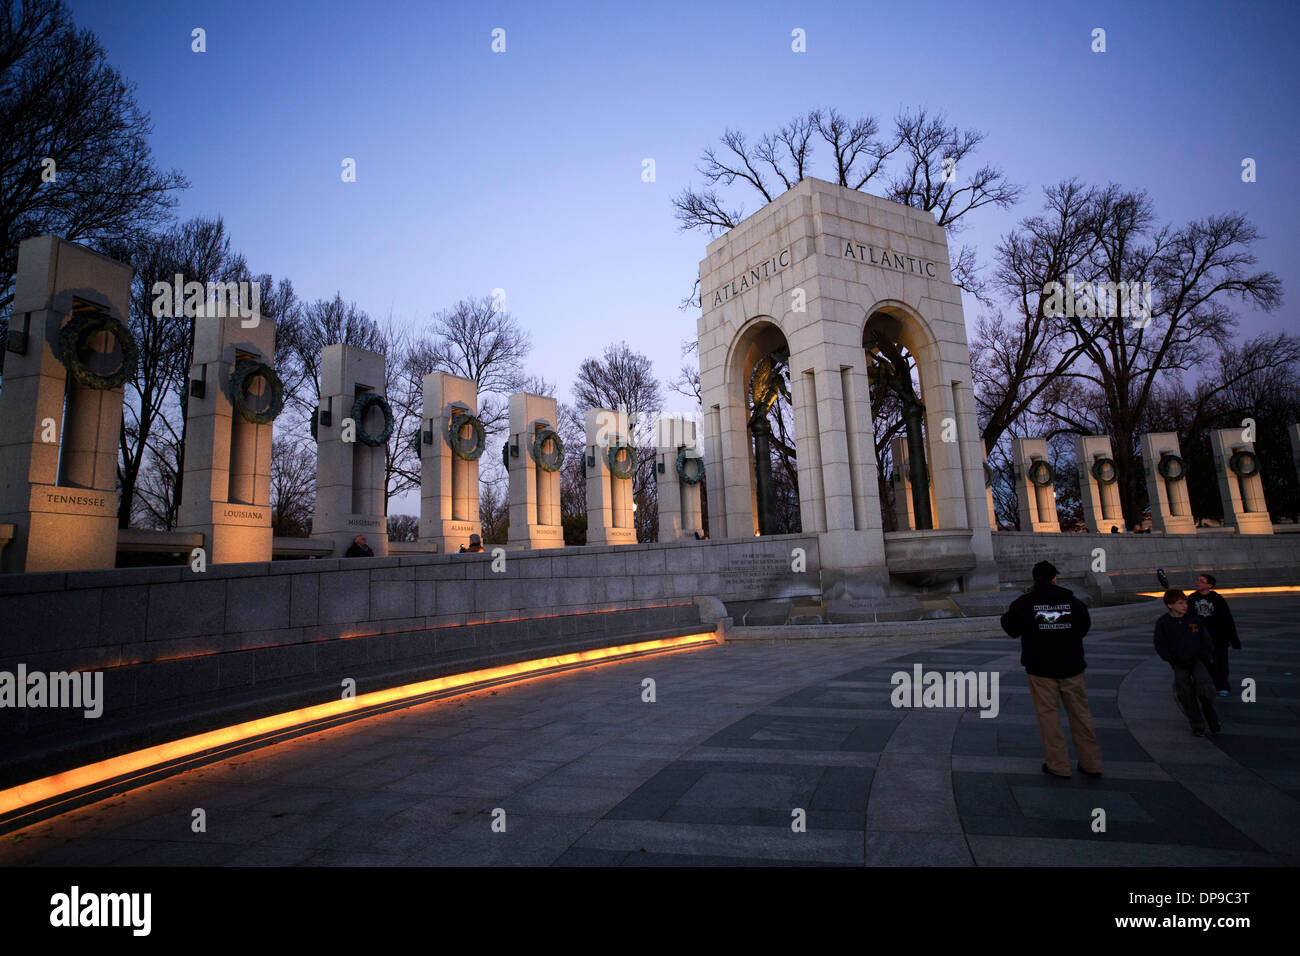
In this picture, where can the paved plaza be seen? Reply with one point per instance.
(738, 738)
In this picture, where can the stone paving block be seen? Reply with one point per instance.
(891, 848)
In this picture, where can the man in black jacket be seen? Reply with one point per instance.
(1185, 641)
(359, 548)
(1051, 623)
(1209, 605)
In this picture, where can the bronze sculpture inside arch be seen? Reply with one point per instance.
(891, 368)
(766, 384)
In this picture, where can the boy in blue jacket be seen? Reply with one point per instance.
(1183, 639)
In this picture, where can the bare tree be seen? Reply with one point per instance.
(1257, 380)
(321, 323)
(624, 380)
(478, 340)
(931, 161)
(293, 486)
(154, 407)
(74, 153)
(1014, 359)
(403, 527)
(687, 382)
(1194, 272)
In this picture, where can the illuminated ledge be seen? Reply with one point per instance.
(26, 803)
(1287, 589)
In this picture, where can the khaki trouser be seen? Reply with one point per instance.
(1046, 691)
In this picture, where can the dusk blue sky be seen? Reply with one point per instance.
(522, 170)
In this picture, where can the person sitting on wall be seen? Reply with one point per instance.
(359, 548)
(475, 544)
(1183, 640)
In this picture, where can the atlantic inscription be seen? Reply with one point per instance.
(876, 256)
(747, 280)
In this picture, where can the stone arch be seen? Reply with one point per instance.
(760, 337)
(908, 478)
(909, 327)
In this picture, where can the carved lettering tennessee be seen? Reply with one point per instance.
(74, 500)
(861, 252)
(747, 280)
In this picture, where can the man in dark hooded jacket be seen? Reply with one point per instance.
(1051, 623)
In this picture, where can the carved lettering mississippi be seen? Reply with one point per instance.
(861, 252)
(747, 280)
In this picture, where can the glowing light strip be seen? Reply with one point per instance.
(1287, 589)
(59, 784)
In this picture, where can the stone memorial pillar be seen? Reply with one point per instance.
(353, 424)
(1035, 485)
(1166, 477)
(533, 455)
(1098, 483)
(679, 470)
(234, 396)
(70, 350)
(1240, 487)
(610, 465)
(451, 441)
(988, 487)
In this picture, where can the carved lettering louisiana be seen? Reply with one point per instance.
(747, 280)
(240, 513)
(873, 255)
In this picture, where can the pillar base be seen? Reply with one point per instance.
(1172, 524)
(237, 533)
(611, 536)
(537, 537)
(447, 535)
(1254, 522)
(343, 530)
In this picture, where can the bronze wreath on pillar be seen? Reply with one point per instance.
(682, 475)
(241, 378)
(75, 348)
(1171, 467)
(467, 451)
(362, 405)
(619, 466)
(1103, 469)
(1244, 464)
(1040, 473)
(547, 461)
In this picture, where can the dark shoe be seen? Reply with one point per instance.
(1088, 773)
(1198, 732)
(1215, 728)
(1225, 693)
(1059, 776)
